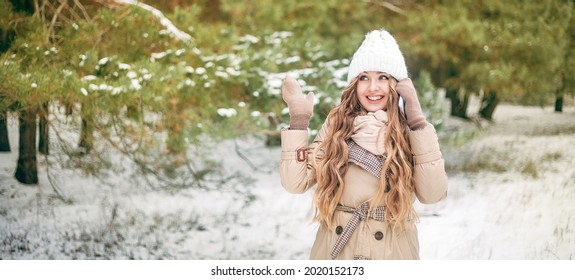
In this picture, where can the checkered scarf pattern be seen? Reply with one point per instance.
(365, 159)
(360, 213)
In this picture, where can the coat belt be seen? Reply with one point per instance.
(360, 213)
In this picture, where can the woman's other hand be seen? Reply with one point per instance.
(415, 118)
(300, 106)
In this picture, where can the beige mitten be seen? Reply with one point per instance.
(300, 106)
(415, 118)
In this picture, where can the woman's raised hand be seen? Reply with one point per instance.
(415, 118)
(300, 106)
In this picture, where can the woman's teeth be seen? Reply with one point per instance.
(374, 98)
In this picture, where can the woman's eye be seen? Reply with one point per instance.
(363, 78)
(383, 77)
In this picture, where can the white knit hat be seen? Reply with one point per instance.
(378, 52)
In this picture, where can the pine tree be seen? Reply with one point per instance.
(501, 49)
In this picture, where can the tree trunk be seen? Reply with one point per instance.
(133, 112)
(6, 38)
(4, 140)
(26, 6)
(69, 108)
(44, 132)
(559, 104)
(488, 104)
(86, 136)
(27, 169)
(212, 12)
(458, 103)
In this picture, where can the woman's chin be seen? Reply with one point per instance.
(373, 109)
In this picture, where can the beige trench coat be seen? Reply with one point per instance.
(298, 176)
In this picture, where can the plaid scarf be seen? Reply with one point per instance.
(365, 159)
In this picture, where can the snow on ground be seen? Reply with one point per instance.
(511, 197)
(511, 191)
(116, 217)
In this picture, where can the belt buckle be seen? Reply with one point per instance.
(301, 155)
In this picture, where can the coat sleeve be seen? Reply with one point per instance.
(297, 176)
(429, 172)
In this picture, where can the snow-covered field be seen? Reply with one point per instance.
(511, 196)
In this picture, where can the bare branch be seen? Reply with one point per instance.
(247, 160)
(73, 13)
(55, 17)
(81, 7)
(36, 7)
(40, 10)
(54, 185)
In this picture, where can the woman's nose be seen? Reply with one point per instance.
(373, 85)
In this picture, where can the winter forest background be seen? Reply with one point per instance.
(150, 129)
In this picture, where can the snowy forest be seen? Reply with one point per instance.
(150, 129)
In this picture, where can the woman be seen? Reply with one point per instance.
(370, 159)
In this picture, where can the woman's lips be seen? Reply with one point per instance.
(374, 98)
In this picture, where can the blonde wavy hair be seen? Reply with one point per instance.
(330, 160)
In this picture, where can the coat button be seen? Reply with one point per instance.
(378, 235)
(338, 230)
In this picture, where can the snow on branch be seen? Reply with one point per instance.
(181, 35)
(387, 5)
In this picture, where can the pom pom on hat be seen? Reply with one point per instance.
(378, 52)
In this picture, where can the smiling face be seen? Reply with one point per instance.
(373, 90)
